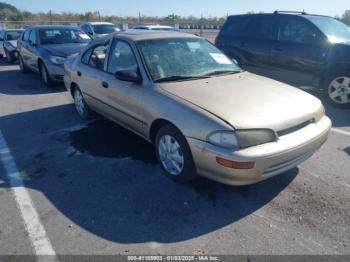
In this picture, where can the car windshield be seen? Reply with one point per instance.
(181, 59)
(104, 29)
(336, 31)
(13, 35)
(62, 36)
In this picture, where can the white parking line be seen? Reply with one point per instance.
(339, 131)
(36, 231)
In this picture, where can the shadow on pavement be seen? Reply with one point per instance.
(13, 82)
(339, 117)
(114, 189)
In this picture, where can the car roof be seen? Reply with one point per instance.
(139, 35)
(14, 30)
(291, 13)
(154, 26)
(99, 23)
(53, 27)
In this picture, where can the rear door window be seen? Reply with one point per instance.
(262, 27)
(236, 25)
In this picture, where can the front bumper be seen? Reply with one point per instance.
(56, 72)
(270, 159)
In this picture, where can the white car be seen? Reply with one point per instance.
(155, 27)
(99, 29)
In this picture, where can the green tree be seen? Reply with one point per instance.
(346, 17)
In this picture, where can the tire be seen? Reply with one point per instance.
(10, 57)
(174, 155)
(337, 89)
(80, 105)
(45, 76)
(22, 66)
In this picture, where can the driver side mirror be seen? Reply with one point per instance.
(129, 76)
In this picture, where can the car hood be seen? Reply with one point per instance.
(64, 50)
(248, 101)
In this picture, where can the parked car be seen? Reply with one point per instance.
(99, 29)
(44, 49)
(297, 48)
(201, 111)
(8, 43)
(155, 27)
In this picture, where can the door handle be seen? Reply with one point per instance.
(105, 84)
(79, 73)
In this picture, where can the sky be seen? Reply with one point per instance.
(182, 7)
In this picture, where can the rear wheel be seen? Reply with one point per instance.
(80, 105)
(174, 154)
(337, 89)
(45, 77)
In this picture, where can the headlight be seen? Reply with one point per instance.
(225, 139)
(58, 60)
(242, 138)
(254, 137)
(320, 114)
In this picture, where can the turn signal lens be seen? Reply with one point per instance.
(234, 164)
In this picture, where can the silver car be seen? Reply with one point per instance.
(204, 115)
(99, 29)
(44, 49)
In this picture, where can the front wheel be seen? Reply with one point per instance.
(22, 66)
(337, 89)
(174, 154)
(10, 57)
(80, 105)
(45, 77)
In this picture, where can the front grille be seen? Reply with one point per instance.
(294, 128)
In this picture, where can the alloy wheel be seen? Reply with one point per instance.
(339, 90)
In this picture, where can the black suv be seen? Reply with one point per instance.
(309, 51)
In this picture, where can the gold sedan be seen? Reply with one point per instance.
(204, 115)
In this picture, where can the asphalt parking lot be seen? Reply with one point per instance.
(97, 189)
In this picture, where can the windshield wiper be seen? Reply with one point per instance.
(223, 72)
(178, 78)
